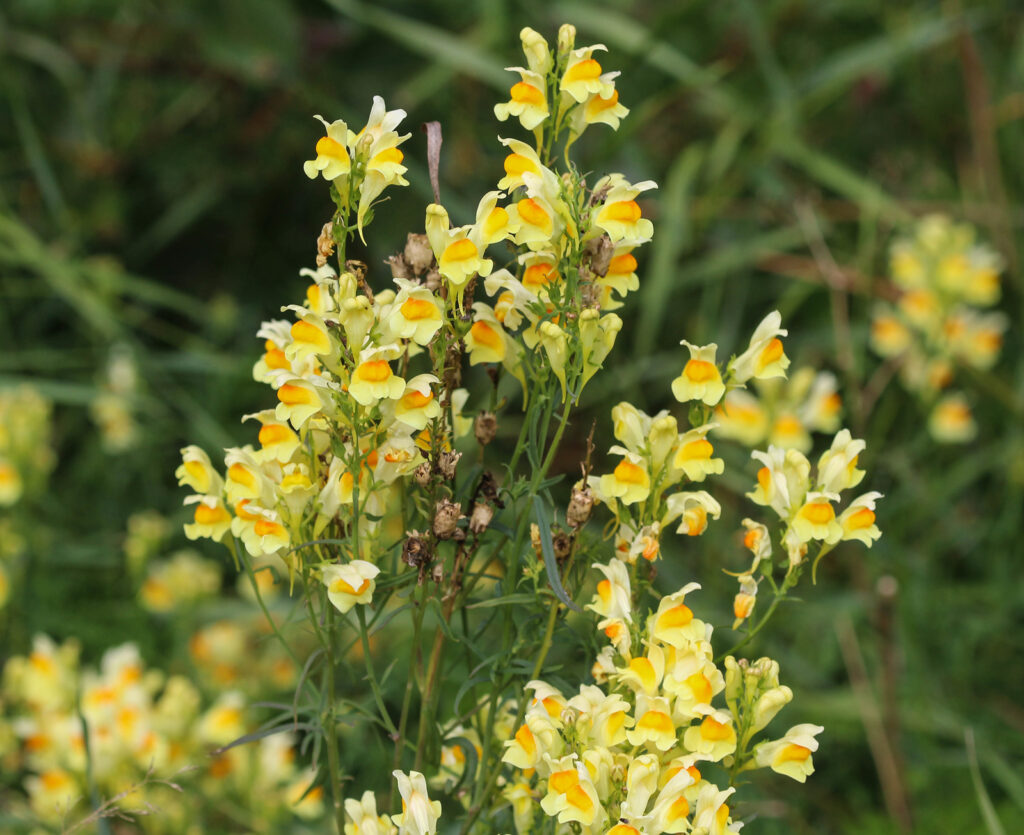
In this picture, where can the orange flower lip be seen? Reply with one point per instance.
(526, 94)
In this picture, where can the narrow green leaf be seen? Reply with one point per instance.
(554, 580)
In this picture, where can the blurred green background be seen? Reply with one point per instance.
(153, 211)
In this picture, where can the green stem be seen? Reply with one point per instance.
(378, 694)
(331, 729)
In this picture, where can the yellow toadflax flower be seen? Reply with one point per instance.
(364, 818)
(332, 157)
(765, 357)
(951, 420)
(350, 583)
(571, 793)
(791, 755)
(700, 379)
(629, 482)
(527, 102)
(715, 736)
(419, 814)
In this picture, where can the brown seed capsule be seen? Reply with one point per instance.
(480, 518)
(446, 464)
(484, 427)
(418, 254)
(399, 266)
(600, 250)
(561, 544)
(432, 281)
(446, 519)
(580, 506)
(325, 244)
(416, 550)
(422, 474)
(437, 573)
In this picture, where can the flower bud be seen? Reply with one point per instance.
(769, 704)
(566, 38)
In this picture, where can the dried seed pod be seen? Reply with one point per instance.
(600, 250)
(399, 266)
(488, 488)
(325, 244)
(446, 519)
(580, 506)
(485, 427)
(432, 281)
(561, 544)
(422, 474)
(418, 254)
(437, 573)
(446, 464)
(480, 518)
(416, 550)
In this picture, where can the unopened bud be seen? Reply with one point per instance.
(446, 519)
(742, 606)
(480, 518)
(418, 254)
(580, 506)
(446, 464)
(484, 427)
(568, 716)
(566, 37)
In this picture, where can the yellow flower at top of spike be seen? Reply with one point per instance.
(765, 357)
(584, 76)
(700, 378)
(527, 100)
(332, 157)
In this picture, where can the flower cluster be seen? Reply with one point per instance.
(782, 413)
(657, 457)
(945, 279)
(183, 579)
(135, 722)
(640, 753)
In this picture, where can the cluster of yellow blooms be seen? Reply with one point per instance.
(369, 409)
(632, 755)
(26, 458)
(183, 579)
(346, 426)
(70, 730)
(782, 413)
(945, 278)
